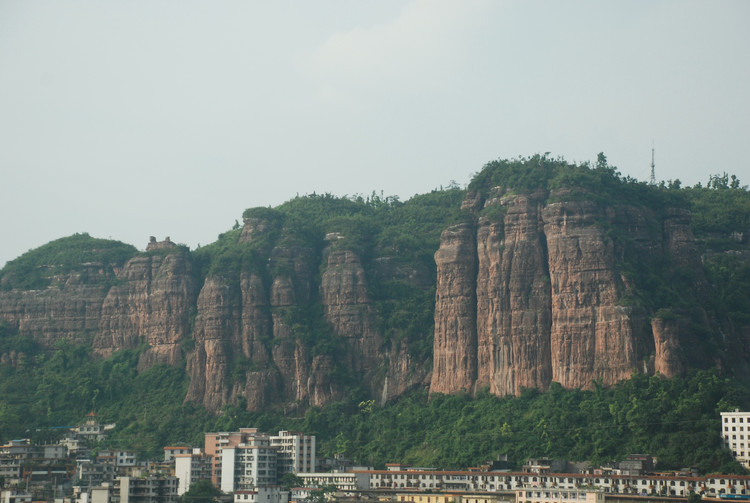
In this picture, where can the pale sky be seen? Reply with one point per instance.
(132, 118)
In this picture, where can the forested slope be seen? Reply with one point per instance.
(320, 314)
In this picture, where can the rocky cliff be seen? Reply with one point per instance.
(537, 289)
(546, 272)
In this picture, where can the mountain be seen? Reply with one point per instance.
(541, 271)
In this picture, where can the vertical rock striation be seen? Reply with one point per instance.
(455, 355)
(538, 291)
(149, 303)
(513, 295)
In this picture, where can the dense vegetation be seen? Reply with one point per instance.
(676, 420)
(381, 230)
(37, 268)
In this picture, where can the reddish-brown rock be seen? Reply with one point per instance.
(535, 293)
(149, 303)
(513, 298)
(455, 354)
(668, 356)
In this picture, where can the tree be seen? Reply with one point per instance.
(289, 480)
(202, 491)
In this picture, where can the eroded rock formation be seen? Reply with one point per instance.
(547, 297)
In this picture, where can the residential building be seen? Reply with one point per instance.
(262, 495)
(14, 497)
(249, 465)
(293, 452)
(10, 468)
(453, 498)
(144, 490)
(735, 431)
(190, 468)
(94, 473)
(214, 443)
(171, 451)
(343, 481)
(545, 495)
(296, 452)
(91, 429)
(636, 464)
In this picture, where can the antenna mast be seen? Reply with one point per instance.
(653, 173)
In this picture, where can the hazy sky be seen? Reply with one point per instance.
(132, 118)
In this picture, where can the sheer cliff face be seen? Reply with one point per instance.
(456, 325)
(146, 301)
(532, 293)
(513, 292)
(533, 288)
(149, 303)
(247, 346)
(592, 337)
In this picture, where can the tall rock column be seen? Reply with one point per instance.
(513, 299)
(455, 346)
(216, 324)
(591, 336)
(347, 307)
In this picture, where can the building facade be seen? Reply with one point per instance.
(190, 468)
(296, 452)
(248, 466)
(735, 431)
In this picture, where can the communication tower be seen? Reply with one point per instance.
(653, 172)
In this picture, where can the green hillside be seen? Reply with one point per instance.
(676, 420)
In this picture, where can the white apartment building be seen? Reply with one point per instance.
(296, 452)
(262, 495)
(537, 495)
(735, 431)
(248, 466)
(344, 481)
(14, 497)
(190, 468)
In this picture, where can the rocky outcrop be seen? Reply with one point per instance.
(69, 311)
(531, 288)
(150, 302)
(591, 336)
(668, 355)
(546, 298)
(513, 295)
(347, 307)
(455, 359)
(279, 353)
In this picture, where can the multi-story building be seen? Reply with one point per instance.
(290, 452)
(14, 497)
(344, 481)
(171, 451)
(455, 498)
(735, 431)
(92, 473)
(262, 495)
(10, 469)
(676, 485)
(249, 465)
(91, 429)
(214, 443)
(190, 468)
(144, 490)
(537, 495)
(296, 452)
